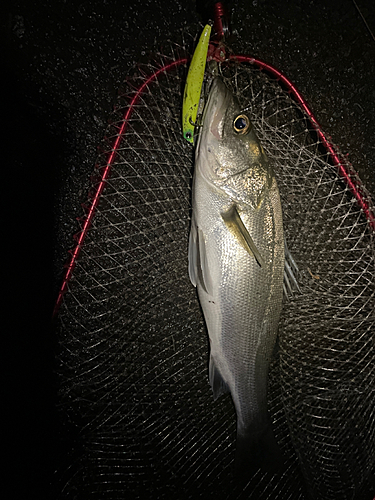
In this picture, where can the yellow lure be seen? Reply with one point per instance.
(193, 85)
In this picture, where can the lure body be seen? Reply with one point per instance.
(193, 85)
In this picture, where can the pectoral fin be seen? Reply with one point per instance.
(234, 223)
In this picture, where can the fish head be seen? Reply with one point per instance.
(229, 154)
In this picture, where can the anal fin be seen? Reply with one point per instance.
(218, 385)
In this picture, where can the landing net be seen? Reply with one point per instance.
(133, 350)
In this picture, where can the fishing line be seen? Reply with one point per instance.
(364, 20)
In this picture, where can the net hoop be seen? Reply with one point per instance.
(356, 188)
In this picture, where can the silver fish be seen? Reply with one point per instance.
(236, 261)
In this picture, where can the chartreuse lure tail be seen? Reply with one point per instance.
(193, 85)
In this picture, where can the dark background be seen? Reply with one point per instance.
(62, 63)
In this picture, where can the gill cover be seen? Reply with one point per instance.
(229, 154)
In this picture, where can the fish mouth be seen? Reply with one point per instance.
(212, 130)
(215, 109)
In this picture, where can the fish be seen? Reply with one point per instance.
(236, 262)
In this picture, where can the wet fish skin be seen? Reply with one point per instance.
(239, 276)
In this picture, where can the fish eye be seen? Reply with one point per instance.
(241, 124)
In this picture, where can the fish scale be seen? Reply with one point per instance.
(237, 216)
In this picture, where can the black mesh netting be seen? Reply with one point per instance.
(133, 351)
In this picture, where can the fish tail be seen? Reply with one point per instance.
(256, 451)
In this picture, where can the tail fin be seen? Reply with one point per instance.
(256, 451)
